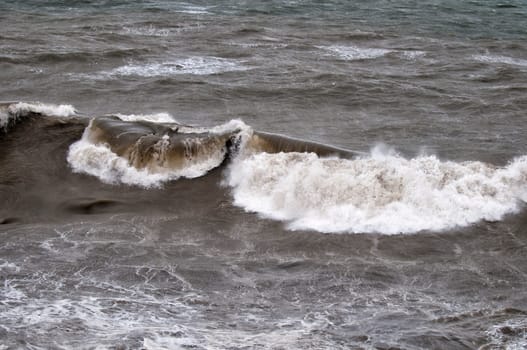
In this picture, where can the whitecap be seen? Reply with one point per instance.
(10, 113)
(379, 193)
(23, 108)
(501, 60)
(357, 53)
(509, 335)
(146, 31)
(193, 9)
(192, 65)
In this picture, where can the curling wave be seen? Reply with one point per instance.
(146, 153)
(11, 112)
(305, 184)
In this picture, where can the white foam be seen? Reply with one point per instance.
(5, 118)
(412, 54)
(501, 59)
(357, 53)
(193, 9)
(153, 118)
(7, 267)
(147, 31)
(508, 335)
(383, 193)
(21, 109)
(15, 111)
(192, 65)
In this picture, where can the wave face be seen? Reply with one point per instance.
(135, 150)
(148, 150)
(380, 193)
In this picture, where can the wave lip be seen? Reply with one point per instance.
(379, 193)
(355, 53)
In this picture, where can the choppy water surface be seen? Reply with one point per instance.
(277, 175)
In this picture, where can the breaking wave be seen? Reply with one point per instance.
(357, 53)
(10, 113)
(305, 184)
(382, 193)
(498, 59)
(149, 153)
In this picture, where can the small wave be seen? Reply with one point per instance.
(54, 57)
(357, 53)
(193, 65)
(352, 53)
(193, 9)
(10, 113)
(501, 60)
(152, 118)
(381, 193)
(23, 108)
(412, 54)
(146, 31)
(510, 335)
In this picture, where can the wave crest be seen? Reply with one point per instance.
(11, 112)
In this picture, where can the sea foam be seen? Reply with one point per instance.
(499, 59)
(357, 53)
(191, 65)
(23, 108)
(152, 118)
(379, 193)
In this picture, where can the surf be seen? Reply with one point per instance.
(307, 185)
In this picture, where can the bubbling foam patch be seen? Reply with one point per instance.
(191, 65)
(379, 193)
(357, 53)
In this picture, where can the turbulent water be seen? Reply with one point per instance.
(263, 175)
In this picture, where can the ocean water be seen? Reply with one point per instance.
(263, 175)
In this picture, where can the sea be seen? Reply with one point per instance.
(340, 174)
